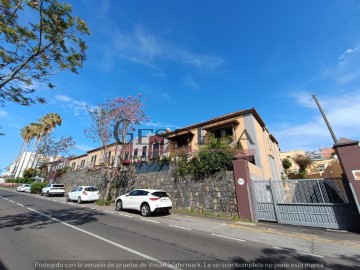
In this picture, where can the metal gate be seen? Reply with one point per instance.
(316, 203)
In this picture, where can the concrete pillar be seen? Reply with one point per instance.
(243, 187)
(348, 153)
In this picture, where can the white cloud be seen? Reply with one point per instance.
(76, 106)
(343, 113)
(348, 52)
(160, 125)
(3, 114)
(145, 48)
(189, 82)
(83, 147)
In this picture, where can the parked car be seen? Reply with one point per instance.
(24, 188)
(83, 193)
(146, 201)
(53, 189)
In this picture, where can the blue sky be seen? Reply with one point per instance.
(194, 60)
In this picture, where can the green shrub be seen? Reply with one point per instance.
(37, 187)
(102, 202)
(208, 162)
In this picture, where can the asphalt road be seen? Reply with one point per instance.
(37, 233)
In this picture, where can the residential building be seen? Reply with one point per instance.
(290, 155)
(242, 129)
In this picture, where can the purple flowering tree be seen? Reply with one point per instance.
(111, 123)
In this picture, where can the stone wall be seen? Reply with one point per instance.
(215, 194)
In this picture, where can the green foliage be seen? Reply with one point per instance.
(286, 164)
(33, 49)
(29, 172)
(37, 187)
(303, 162)
(102, 202)
(20, 181)
(208, 162)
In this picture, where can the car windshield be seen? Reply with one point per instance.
(58, 186)
(91, 189)
(160, 194)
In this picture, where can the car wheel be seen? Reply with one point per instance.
(145, 210)
(48, 194)
(67, 198)
(79, 200)
(41, 194)
(119, 205)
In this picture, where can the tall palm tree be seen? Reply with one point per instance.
(23, 132)
(48, 124)
(36, 129)
(29, 134)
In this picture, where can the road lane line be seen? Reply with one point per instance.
(228, 237)
(310, 254)
(180, 227)
(163, 264)
(19, 204)
(277, 248)
(11, 201)
(125, 215)
(332, 230)
(153, 221)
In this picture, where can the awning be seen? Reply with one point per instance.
(221, 123)
(178, 134)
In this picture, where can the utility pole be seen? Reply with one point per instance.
(325, 119)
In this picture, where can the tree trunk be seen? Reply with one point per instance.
(31, 155)
(17, 161)
(36, 144)
(22, 163)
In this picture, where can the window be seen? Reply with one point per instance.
(144, 151)
(72, 166)
(134, 193)
(82, 164)
(181, 142)
(224, 132)
(136, 153)
(91, 189)
(127, 156)
(160, 194)
(74, 189)
(156, 150)
(93, 159)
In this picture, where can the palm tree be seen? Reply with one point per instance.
(36, 129)
(29, 134)
(48, 124)
(23, 132)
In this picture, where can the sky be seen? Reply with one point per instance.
(195, 60)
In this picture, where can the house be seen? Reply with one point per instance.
(241, 129)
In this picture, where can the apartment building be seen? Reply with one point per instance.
(245, 128)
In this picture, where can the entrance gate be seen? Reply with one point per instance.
(316, 203)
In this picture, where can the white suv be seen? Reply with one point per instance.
(53, 189)
(144, 200)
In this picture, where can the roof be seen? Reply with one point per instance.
(219, 119)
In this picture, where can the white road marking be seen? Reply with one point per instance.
(6, 199)
(93, 208)
(11, 201)
(228, 237)
(153, 221)
(277, 248)
(163, 264)
(310, 254)
(331, 230)
(20, 204)
(125, 215)
(107, 211)
(180, 227)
